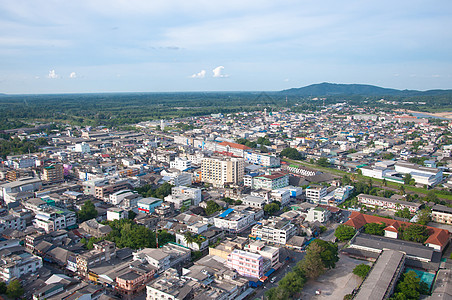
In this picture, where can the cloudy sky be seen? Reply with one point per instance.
(55, 46)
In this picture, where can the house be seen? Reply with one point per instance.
(375, 201)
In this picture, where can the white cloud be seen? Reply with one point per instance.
(218, 72)
(53, 75)
(201, 74)
(73, 75)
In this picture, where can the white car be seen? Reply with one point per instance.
(273, 280)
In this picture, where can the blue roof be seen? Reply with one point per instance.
(226, 212)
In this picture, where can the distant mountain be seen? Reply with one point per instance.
(330, 89)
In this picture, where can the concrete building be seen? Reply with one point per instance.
(265, 160)
(176, 177)
(116, 213)
(232, 148)
(319, 214)
(52, 219)
(422, 175)
(12, 222)
(441, 214)
(375, 201)
(315, 193)
(382, 278)
(148, 205)
(238, 218)
(103, 251)
(117, 197)
(181, 164)
(222, 170)
(53, 173)
(23, 185)
(272, 181)
(14, 265)
(192, 193)
(274, 230)
(246, 263)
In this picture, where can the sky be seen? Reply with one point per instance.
(86, 46)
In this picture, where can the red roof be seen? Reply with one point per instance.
(437, 236)
(235, 145)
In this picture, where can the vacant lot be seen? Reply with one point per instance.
(335, 283)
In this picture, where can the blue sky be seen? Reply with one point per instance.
(50, 46)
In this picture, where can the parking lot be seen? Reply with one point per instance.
(335, 283)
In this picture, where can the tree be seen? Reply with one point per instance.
(328, 253)
(291, 153)
(403, 213)
(410, 286)
(3, 287)
(164, 237)
(323, 162)
(212, 207)
(431, 197)
(361, 270)
(348, 297)
(14, 289)
(424, 216)
(346, 180)
(407, 178)
(344, 232)
(271, 208)
(132, 214)
(414, 233)
(375, 228)
(312, 264)
(87, 212)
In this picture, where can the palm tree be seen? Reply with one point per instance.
(189, 237)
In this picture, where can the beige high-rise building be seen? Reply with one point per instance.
(53, 173)
(220, 171)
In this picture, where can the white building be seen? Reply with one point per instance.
(375, 201)
(115, 213)
(13, 266)
(238, 218)
(422, 175)
(12, 222)
(9, 190)
(119, 196)
(192, 193)
(54, 219)
(318, 214)
(254, 201)
(266, 160)
(176, 177)
(375, 172)
(272, 181)
(181, 164)
(274, 230)
(281, 195)
(82, 148)
(315, 193)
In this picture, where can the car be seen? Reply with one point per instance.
(273, 280)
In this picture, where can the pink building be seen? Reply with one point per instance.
(246, 263)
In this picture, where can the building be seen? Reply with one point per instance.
(14, 265)
(268, 253)
(265, 160)
(181, 164)
(148, 205)
(116, 213)
(103, 251)
(422, 175)
(103, 189)
(168, 256)
(82, 148)
(28, 185)
(96, 229)
(235, 149)
(238, 218)
(274, 230)
(246, 263)
(254, 201)
(441, 214)
(438, 238)
(117, 197)
(281, 195)
(319, 214)
(220, 171)
(192, 193)
(52, 219)
(53, 173)
(300, 170)
(375, 201)
(176, 177)
(315, 193)
(272, 181)
(382, 278)
(12, 222)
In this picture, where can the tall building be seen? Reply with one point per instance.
(219, 171)
(53, 173)
(246, 263)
